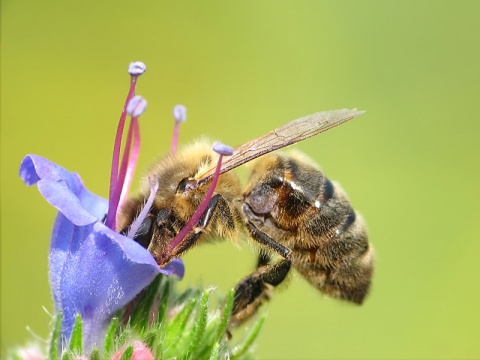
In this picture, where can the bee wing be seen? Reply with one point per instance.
(290, 133)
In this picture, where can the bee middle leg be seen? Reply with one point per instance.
(253, 290)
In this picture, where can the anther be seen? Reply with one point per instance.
(180, 113)
(222, 149)
(137, 68)
(136, 106)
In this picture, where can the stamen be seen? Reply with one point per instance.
(222, 150)
(180, 116)
(129, 162)
(146, 208)
(136, 106)
(135, 70)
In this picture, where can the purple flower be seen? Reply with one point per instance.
(94, 270)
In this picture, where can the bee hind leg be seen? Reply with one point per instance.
(253, 290)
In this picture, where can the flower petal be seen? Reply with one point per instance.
(137, 253)
(59, 195)
(34, 168)
(95, 277)
(174, 267)
(63, 189)
(95, 272)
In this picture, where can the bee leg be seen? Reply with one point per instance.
(253, 290)
(264, 259)
(202, 223)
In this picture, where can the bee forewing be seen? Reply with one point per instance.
(288, 134)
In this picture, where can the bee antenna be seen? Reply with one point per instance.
(180, 116)
(146, 208)
(222, 150)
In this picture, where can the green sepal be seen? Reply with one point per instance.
(176, 329)
(123, 335)
(55, 338)
(227, 311)
(143, 308)
(67, 355)
(111, 335)
(76, 338)
(95, 354)
(128, 353)
(200, 323)
(215, 352)
(243, 347)
(163, 305)
(153, 340)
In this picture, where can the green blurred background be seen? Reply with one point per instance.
(410, 165)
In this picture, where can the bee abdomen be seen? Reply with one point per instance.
(341, 266)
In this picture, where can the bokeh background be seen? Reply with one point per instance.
(410, 165)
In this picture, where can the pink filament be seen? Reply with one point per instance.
(114, 175)
(200, 210)
(132, 162)
(175, 136)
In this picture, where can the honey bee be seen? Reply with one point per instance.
(298, 217)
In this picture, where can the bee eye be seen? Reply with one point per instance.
(186, 185)
(144, 233)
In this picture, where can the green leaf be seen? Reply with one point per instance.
(242, 348)
(75, 346)
(55, 338)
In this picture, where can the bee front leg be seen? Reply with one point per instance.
(253, 290)
(202, 223)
